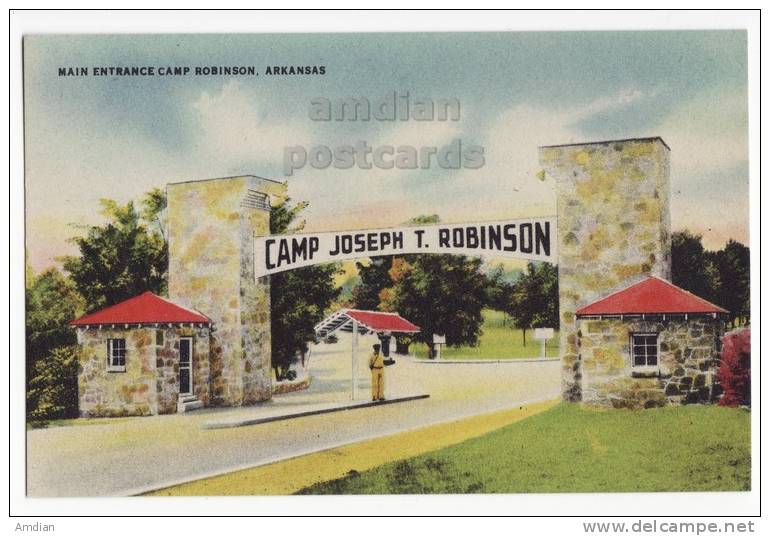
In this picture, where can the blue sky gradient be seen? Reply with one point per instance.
(92, 137)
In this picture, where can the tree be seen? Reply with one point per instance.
(443, 294)
(51, 303)
(154, 205)
(29, 273)
(721, 277)
(53, 388)
(691, 267)
(121, 258)
(499, 291)
(373, 278)
(547, 297)
(535, 298)
(375, 281)
(732, 263)
(520, 308)
(299, 298)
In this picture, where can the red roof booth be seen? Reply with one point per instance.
(650, 296)
(366, 322)
(649, 345)
(143, 356)
(147, 308)
(358, 321)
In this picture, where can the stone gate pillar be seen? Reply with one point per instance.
(613, 228)
(211, 229)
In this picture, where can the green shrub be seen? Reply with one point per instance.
(734, 373)
(53, 392)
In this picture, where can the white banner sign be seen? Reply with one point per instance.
(531, 239)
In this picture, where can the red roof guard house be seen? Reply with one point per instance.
(143, 356)
(648, 345)
(148, 356)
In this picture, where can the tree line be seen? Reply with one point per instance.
(446, 294)
(721, 277)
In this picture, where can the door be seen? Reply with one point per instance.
(185, 365)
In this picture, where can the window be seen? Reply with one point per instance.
(644, 349)
(159, 337)
(116, 355)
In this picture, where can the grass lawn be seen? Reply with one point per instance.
(573, 449)
(291, 475)
(499, 340)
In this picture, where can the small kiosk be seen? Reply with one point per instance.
(357, 321)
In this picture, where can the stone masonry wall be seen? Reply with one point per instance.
(204, 260)
(117, 394)
(687, 362)
(211, 228)
(167, 366)
(150, 383)
(255, 312)
(613, 228)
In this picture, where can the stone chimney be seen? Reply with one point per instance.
(613, 227)
(211, 229)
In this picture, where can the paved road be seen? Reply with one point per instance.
(131, 455)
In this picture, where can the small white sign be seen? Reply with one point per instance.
(543, 334)
(439, 339)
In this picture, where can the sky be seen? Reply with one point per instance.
(88, 138)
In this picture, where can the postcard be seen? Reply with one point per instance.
(387, 263)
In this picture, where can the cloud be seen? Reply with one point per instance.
(375, 196)
(420, 133)
(507, 185)
(709, 143)
(709, 132)
(234, 124)
(235, 129)
(619, 100)
(511, 143)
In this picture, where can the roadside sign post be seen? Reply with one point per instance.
(438, 340)
(543, 335)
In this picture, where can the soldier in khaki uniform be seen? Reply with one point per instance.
(377, 366)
